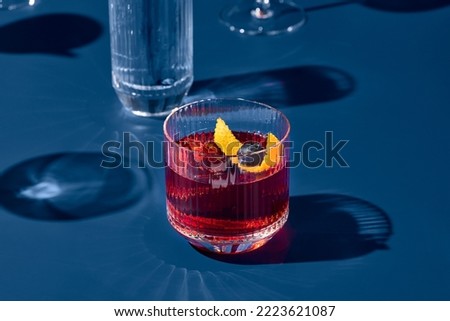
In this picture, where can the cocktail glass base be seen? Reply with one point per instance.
(228, 244)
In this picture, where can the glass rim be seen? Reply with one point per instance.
(170, 140)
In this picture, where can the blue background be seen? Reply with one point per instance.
(376, 74)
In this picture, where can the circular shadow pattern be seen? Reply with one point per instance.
(53, 34)
(70, 186)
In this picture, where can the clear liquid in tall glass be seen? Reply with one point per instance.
(151, 53)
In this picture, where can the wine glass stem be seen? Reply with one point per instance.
(262, 9)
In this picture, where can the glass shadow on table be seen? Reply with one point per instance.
(55, 34)
(69, 186)
(322, 227)
(280, 88)
(399, 6)
(405, 5)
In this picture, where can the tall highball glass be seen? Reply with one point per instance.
(151, 53)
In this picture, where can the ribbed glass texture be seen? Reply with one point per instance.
(216, 204)
(151, 53)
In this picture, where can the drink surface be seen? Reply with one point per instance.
(242, 203)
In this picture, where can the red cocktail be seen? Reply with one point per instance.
(227, 190)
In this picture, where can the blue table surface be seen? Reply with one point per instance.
(375, 74)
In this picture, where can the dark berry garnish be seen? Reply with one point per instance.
(248, 154)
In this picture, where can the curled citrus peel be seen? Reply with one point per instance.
(230, 145)
(225, 139)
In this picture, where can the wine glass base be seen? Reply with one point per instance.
(17, 4)
(281, 17)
